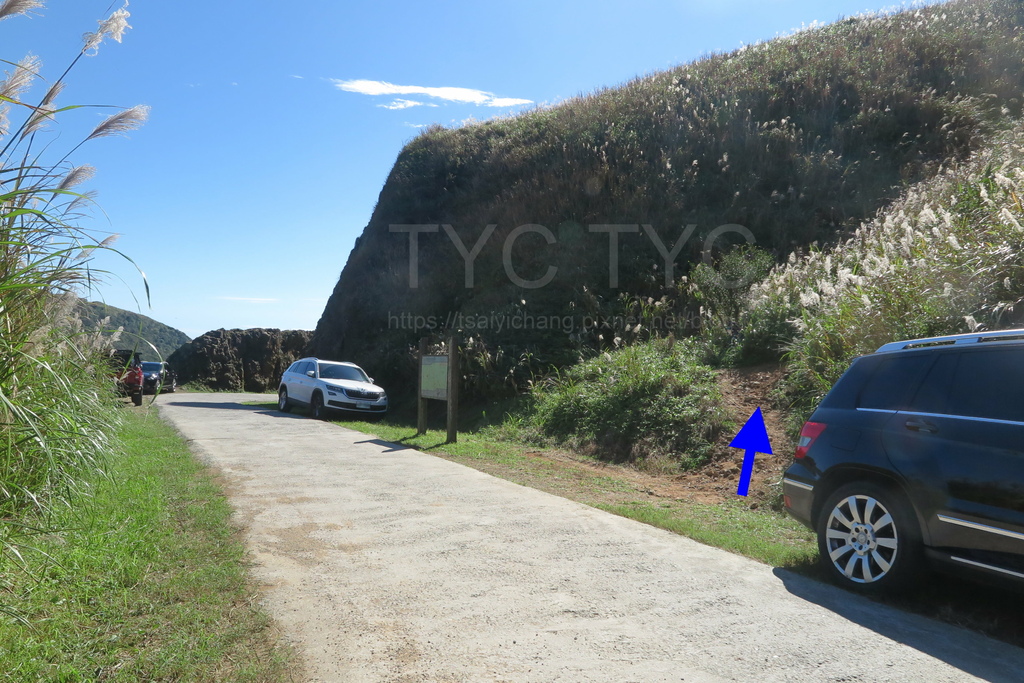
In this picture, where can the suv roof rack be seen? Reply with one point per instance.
(971, 338)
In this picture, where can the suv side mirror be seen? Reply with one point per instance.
(310, 373)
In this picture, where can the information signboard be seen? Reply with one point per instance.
(439, 380)
(434, 377)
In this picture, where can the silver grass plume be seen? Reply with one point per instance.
(108, 240)
(90, 250)
(21, 77)
(114, 26)
(76, 176)
(121, 122)
(9, 8)
(80, 202)
(16, 83)
(45, 111)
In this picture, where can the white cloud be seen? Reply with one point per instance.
(405, 104)
(450, 94)
(247, 299)
(507, 102)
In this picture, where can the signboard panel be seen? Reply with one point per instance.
(434, 377)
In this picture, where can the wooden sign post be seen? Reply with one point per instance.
(439, 380)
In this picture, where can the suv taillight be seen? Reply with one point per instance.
(810, 432)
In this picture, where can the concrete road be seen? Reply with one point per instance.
(386, 564)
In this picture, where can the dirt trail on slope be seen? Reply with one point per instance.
(743, 391)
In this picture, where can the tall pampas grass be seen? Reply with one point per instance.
(55, 396)
(10, 8)
(946, 258)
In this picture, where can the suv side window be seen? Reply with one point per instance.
(934, 392)
(892, 381)
(989, 384)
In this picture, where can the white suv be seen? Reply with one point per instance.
(326, 385)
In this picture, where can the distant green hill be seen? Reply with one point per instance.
(798, 140)
(137, 329)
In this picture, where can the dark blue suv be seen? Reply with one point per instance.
(915, 455)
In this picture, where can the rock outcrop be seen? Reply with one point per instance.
(239, 360)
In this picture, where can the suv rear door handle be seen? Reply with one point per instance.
(921, 426)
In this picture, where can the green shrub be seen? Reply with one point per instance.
(649, 401)
(765, 332)
(721, 291)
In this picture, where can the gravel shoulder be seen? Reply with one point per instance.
(386, 564)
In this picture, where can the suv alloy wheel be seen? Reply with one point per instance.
(867, 535)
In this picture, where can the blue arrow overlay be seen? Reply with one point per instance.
(752, 438)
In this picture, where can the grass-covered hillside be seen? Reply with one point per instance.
(136, 330)
(798, 140)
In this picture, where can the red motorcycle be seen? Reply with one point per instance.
(127, 368)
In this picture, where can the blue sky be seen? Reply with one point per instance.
(273, 125)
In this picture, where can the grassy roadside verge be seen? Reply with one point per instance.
(761, 534)
(147, 580)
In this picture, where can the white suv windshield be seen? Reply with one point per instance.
(346, 372)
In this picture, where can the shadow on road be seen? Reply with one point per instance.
(970, 652)
(260, 409)
(220, 405)
(388, 446)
